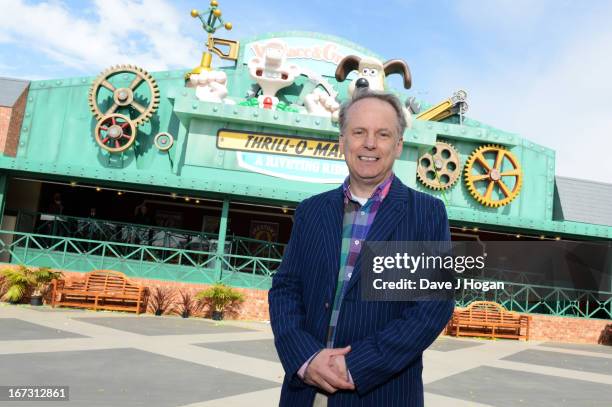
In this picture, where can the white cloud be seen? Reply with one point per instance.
(99, 40)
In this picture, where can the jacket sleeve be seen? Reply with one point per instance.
(375, 359)
(287, 312)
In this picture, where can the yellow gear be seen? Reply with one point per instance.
(488, 183)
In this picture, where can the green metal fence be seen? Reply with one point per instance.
(178, 264)
(131, 233)
(174, 264)
(542, 299)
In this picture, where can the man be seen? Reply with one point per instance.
(336, 349)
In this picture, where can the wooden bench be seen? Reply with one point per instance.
(488, 319)
(101, 289)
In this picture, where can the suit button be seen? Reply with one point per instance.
(327, 305)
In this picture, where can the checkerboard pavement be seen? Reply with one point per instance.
(117, 359)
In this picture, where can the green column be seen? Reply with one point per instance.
(2, 195)
(180, 145)
(221, 238)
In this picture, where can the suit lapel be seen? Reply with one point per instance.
(332, 238)
(389, 216)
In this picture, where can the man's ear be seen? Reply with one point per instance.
(399, 147)
(341, 141)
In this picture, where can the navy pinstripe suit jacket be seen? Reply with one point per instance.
(387, 338)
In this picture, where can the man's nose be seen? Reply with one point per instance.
(370, 140)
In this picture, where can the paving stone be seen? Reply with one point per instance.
(563, 360)
(125, 377)
(449, 345)
(153, 326)
(585, 347)
(13, 329)
(260, 349)
(511, 388)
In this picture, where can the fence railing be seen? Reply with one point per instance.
(131, 233)
(136, 260)
(179, 264)
(541, 299)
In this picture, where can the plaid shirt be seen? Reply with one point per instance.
(355, 227)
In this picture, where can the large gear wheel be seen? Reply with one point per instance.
(110, 83)
(439, 168)
(493, 175)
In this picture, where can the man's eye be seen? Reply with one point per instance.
(384, 135)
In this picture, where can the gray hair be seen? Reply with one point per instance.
(389, 98)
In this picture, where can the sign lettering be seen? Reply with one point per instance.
(278, 144)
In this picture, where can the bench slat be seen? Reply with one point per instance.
(486, 318)
(101, 289)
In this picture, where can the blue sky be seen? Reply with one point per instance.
(538, 68)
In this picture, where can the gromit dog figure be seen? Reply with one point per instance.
(372, 73)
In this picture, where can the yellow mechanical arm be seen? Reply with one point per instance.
(453, 105)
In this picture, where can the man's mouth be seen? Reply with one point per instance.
(364, 158)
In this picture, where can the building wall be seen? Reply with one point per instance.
(564, 329)
(10, 125)
(5, 120)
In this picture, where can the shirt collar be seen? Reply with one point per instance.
(379, 193)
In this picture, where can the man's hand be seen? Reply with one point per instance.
(338, 365)
(328, 370)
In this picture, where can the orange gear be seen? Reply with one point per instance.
(488, 172)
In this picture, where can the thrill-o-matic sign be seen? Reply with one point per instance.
(294, 158)
(278, 144)
(125, 97)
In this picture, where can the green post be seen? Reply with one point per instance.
(180, 146)
(221, 239)
(2, 196)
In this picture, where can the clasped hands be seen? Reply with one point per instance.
(328, 370)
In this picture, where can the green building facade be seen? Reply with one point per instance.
(221, 177)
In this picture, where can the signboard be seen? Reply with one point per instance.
(278, 144)
(303, 169)
(289, 157)
(320, 55)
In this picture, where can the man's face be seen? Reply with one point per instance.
(370, 141)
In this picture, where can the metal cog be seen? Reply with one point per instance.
(163, 141)
(479, 170)
(439, 167)
(124, 97)
(115, 133)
